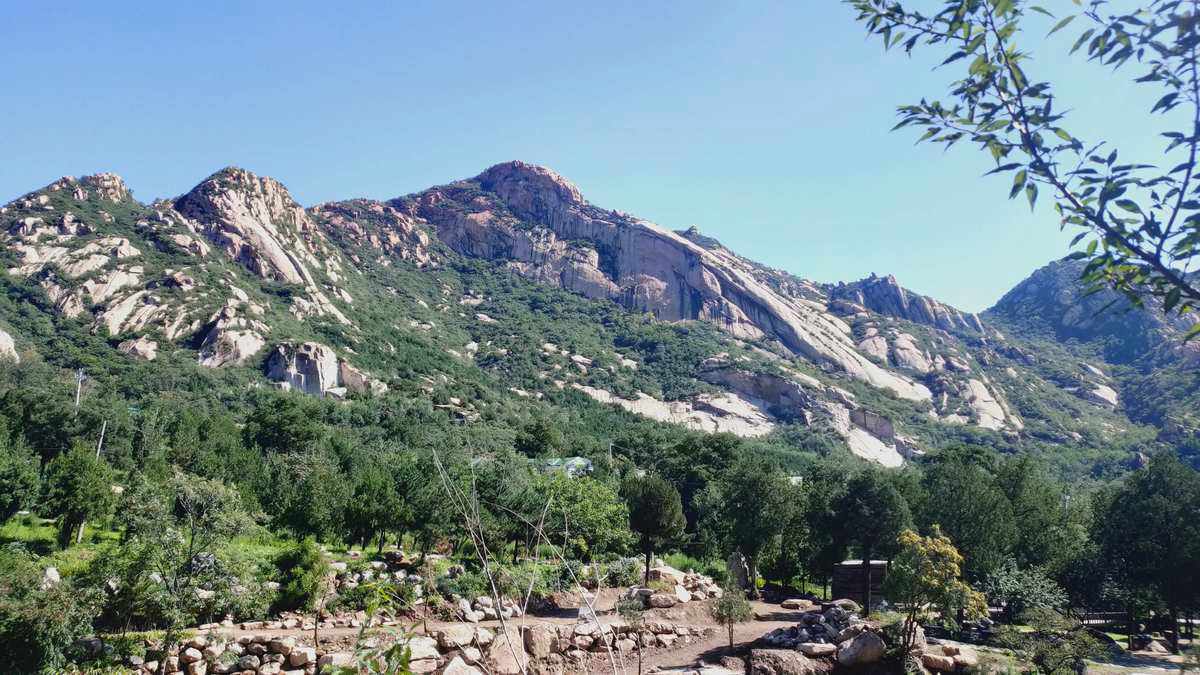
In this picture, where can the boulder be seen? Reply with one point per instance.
(331, 660)
(739, 571)
(666, 573)
(663, 600)
(864, 649)
(302, 656)
(455, 636)
(817, 649)
(422, 647)
(507, 654)
(802, 604)
(459, 667)
(538, 640)
(781, 662)
(938, 662)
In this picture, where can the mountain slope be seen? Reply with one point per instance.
(509, 294)
(1155, 373)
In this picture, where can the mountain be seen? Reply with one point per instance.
(1142, 348)
(508, 296)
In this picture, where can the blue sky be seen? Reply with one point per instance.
(765, 124)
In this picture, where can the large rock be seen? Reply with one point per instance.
(538, 641)
(143, 348)
(316, 369)
(782, 662)
(8, 348)
(459, 667)
(507, 654)
(863, 649)
(739, 571)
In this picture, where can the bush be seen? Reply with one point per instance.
(303, 572)
(38, 626)
(468, 584)
(623, 572)
(729, 609)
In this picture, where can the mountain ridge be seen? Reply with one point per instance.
(237, 271)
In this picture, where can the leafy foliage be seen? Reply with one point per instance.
(1143, 222)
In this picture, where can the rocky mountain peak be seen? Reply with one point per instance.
(529, 189)
(884, 295)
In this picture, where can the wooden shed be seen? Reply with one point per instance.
(848, 578)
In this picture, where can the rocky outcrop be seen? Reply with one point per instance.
(991, 412)
(540, 225)
(366, 222)
(783, 398)
(316, 369)
(1100, 394)
(233, 335)
(713, 413)
(884, 295)
(8, 348)
(143, 348)
(257, 223)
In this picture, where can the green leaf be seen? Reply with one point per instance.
(1003, 167)
(1018, 183)
(1171, 300)
(1031, 193)
(1061, 25)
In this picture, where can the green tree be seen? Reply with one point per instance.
(303, 573)
(927, 573)
(374, 507)
(78, 489)
(1148, 533)
(1057, 645)
(872, 513)
(540, 438)
(966, 502)
(176, 535)
(1019, 590)
(1143, 221)
(655, 514)
(586, 515)
(742, 510)
(19, 483)
(731, 609)
(307, 494)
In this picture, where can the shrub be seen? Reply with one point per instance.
(729, 609)
(623, 572)
(303, 572)
(38, 626)
(468, 584)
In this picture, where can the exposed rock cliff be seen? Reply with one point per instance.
(316, 369)
(539, 223)
(884, 295)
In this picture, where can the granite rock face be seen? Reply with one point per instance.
(538, 223)
(884, 295)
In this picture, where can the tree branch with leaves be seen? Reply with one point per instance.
(1141, 222)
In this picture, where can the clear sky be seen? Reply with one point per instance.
(765, 124)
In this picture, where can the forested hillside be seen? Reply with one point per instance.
(329, 373)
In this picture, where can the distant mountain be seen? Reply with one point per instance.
(510, 292)
(1157, 370)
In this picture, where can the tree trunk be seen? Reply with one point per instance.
(731, 636)
(646, 576)
(866, 584)
(1132, 627)
(752, 565)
